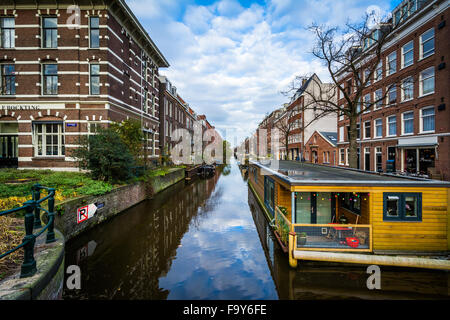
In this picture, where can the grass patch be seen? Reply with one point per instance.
(15, 185)
(11, 235)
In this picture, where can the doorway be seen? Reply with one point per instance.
(315, 207)
(9, 145)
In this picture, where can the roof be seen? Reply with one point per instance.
(301, 173)
(331, 137)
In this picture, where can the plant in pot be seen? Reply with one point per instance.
(302, 238)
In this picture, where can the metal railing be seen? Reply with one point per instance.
(333, 237)
(33, 221)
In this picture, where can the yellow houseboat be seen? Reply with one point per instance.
(343, 215)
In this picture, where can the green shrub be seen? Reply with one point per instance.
(106, 156)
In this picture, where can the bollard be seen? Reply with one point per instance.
(28, 268)
(51, 218)
(292, 242)
(36, 192)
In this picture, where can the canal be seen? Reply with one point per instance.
(208, 239)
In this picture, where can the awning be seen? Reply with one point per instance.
(417, 142)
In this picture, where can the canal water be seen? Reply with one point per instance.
(208, 239)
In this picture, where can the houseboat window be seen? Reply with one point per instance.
(392, 206)
(402, 207)
(323, 207)
(269, 193)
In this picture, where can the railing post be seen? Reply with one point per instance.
(29, 264)
(292, 245)
(36, 191)
(51, 218)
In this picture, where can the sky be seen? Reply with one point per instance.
(231, 59)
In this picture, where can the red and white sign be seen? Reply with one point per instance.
(86, 213)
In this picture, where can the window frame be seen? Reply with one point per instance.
(11, 31)
(422, 119)
(403, 122)
(375, 128)
(410, 80)
(401, 207)
(388, 64)
(60, 143)
(404, 53)
(421, 81)
(422, 56)
(44, 76)
(388, 125)
(90, 32)
(92, 76)
(7, 78)
(44, 37)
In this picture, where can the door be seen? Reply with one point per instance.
(314, 208)
(391, 159)
(9, 151)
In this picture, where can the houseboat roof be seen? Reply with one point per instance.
(301, 173)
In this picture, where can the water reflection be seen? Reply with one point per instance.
(314, 280)
(195, 241)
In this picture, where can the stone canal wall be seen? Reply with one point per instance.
(110, 204)
(47, 283)
(157, 184)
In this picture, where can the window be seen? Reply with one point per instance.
(341, 134)
(94, 32)
(49, 32)
(426, 79)
(93, 127)
(367, 76)
(367, 103)
(49, 139)
(392, 126)
(8, 79)
(50, 79)
(402, 206)
(427, 122)
(408, 122)
(427, 44)
(408, 54)
(95, 79)
(378, 128)
(367, 128)
(391, 63)
(378, 98)
(392, 95)
(379, 72)
(7, 32)
(269, 193)
(408, 89)
(342, 156)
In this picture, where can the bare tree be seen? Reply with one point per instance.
(353, 58)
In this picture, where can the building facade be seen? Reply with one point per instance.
(65, 71)
(321, 148)
(410, 132)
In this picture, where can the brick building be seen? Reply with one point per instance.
(175, 114)
(410, 133)
(321, 148)
(65, 70)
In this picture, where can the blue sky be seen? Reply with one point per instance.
(231, 59)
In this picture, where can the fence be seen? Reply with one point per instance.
(333, 237)
(32, 222)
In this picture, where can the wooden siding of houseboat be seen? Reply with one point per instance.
(431, 234)
(283, 198)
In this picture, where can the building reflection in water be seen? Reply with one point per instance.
(317, 280)
(136, 249)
